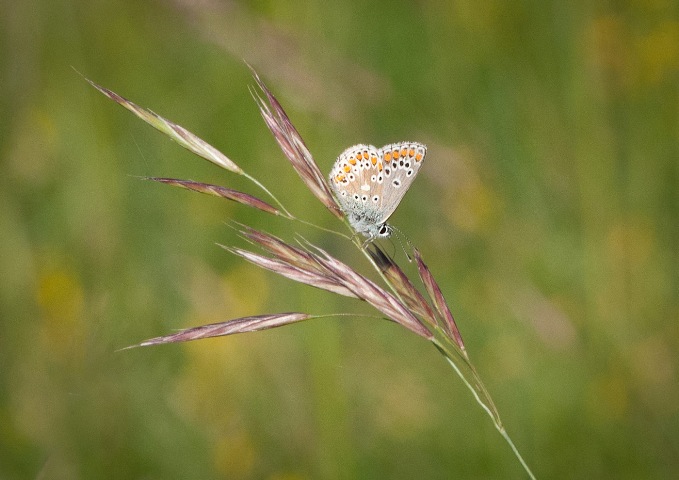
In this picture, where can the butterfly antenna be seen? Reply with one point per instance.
(402, 236)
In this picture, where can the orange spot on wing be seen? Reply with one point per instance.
(396, 154)
(352, 161)
(373, 160)
(379, 166)
(387, 157)
(411, 152)
(359, 156)
(404, 152)
(418, 157)
(347, 169)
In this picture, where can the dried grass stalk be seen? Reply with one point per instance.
(293, 146)
(176, 132)
(439, 302)
(217, 191)
(238, 325)
(308, 264)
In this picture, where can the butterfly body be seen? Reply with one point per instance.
(370, 182)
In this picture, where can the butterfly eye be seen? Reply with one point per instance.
(384, 231)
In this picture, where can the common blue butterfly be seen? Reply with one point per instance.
(370, 182)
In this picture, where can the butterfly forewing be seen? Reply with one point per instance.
(401, 162)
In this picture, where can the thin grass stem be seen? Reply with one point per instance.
(488, 406)
(289, 215)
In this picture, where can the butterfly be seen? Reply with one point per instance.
(370, 182)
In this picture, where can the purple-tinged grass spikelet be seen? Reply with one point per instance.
(239, 325)
(218, 191)
(434, 292)
(292, 272)
(293, 146)
(277, 247)
(176, 132)
(373, 294)
(403, 286)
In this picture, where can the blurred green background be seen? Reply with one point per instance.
(548, 210)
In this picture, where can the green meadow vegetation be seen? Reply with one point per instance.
(547, 210)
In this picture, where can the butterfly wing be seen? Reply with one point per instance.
(352, 176)
(370, 182)
(401, 163)
(358, 183)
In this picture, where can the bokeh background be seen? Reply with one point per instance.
(548, 210)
